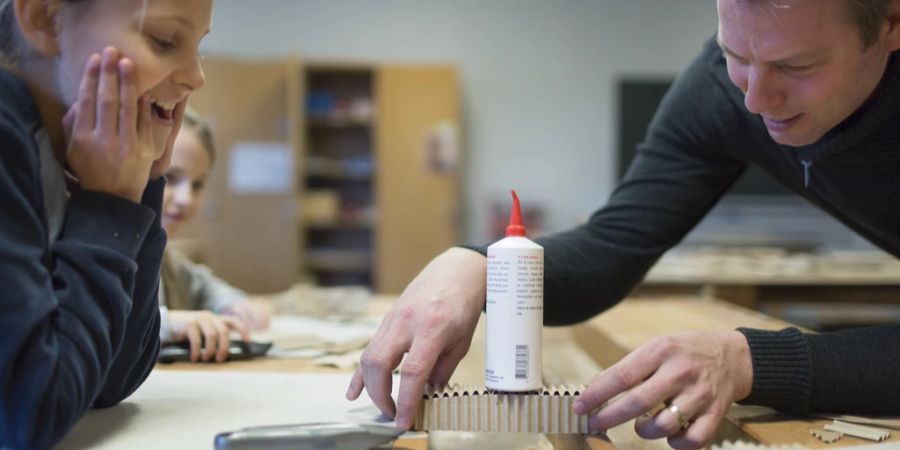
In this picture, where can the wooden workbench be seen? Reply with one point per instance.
(611, 335)
(768, 277)
(573, 355)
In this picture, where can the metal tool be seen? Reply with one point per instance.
(310, 436)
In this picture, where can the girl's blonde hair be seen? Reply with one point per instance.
(200, 126)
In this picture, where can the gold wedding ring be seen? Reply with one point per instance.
(682, 420)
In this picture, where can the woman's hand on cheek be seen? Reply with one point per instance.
(110, 146)
(161, 165)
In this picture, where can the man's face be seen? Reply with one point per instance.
(801, 64)
(161, 40)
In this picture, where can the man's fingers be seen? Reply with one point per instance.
(698, 434)
(634, 403)
(627, 373)
(415, 372)
(446, 365)
(376, 364)
(377, 379)
(356, 385)
(668, 420)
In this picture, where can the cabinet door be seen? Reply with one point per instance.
(417, 166)
(253, 237)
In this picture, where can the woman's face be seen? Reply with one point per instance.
(161, 39)
(186, 180)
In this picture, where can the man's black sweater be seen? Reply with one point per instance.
(698, 144)
(79, 315)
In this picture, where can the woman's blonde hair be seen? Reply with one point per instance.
(10, 43)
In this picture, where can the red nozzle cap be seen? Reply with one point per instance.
(515, 227)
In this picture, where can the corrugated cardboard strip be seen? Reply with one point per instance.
(460, 408)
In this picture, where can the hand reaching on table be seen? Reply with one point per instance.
(433, 321)
(696, 375)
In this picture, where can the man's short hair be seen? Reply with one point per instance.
(868, 15)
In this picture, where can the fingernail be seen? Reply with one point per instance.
(579, 407)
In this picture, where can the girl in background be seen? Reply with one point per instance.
(196, 305)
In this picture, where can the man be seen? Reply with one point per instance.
(809, 90)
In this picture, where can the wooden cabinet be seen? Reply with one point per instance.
(419, 164)
(250, 234)
(374, 169)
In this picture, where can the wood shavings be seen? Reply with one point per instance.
(860, 431)
(460, 408)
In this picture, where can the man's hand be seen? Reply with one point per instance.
(697, 375)
(433, 320)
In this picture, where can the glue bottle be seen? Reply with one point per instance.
(515, 310)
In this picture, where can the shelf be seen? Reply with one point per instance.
(338, 172)
(339, 260)
(340, 225)
(340, 169)
(338, 122)
(340, 176)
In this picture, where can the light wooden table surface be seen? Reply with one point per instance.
(770, 277)
(633, 322)
(573, 355)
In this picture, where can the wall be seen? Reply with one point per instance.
(538, 77)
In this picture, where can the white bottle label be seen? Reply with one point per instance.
(515, 315)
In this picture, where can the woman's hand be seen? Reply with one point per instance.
(161, 165)
(110, 147)
(207, 333)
